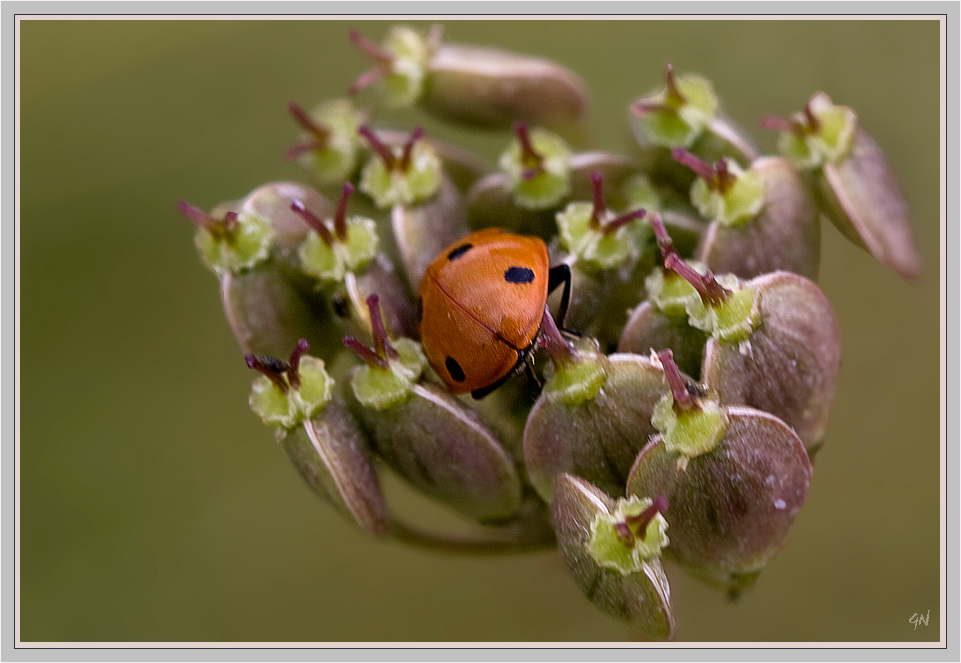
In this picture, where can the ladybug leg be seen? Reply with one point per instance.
(561, 274)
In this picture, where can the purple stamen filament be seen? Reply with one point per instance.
(382, 350)
(382, 150)
(383, 58)
(307, 123)
(682, 397)
(674, 96)
(415, 136)
(370, 357)
(340, 218)
(706, 285)
(380, 55)
(623, 220)
(314, 222)
(718, 178)
(532, 161)
(814, 125)
(284, 374)
(637, 525)
(219, 228)
(382, 344)
(551, 339)
(599, 207)
(320, 135)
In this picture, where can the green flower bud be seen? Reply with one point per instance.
(461, 165)
(403, 175)
(676, 115)
(856, 186)
(595, 235)
(474, 85)
(328, 254)
(230, 242)
(684, 114)
(538, 167)
(329, 144)
(784, 234)
(289, 392)
(621, 576)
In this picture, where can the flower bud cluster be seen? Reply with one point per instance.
(672, 410)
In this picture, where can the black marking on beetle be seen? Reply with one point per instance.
(339, 303)
(458, 251)
(519, 275)
(456, 372)
(420, 309)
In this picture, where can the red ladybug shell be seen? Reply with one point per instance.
(480, 307)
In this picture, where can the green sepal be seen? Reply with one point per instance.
(831, 143)
(336, 159)
(385, 387)
(734, 207)
(610, 551)
(404, 82)
(289, 410)
(737, 316)
(246, 245)
(577, 381)
(671, 294)
(692, 431)
(390, 186)
(551, 184)
(330, 263)
(684, 122)
(591, 245)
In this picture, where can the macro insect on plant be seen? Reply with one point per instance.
(677, 425)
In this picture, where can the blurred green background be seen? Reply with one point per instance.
(155, 507)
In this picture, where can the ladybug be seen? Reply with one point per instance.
(480, 307)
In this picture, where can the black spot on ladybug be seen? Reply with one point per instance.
(339, 304)
(519, 275)
(420, 309)
(458, 251)
(456, 372)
